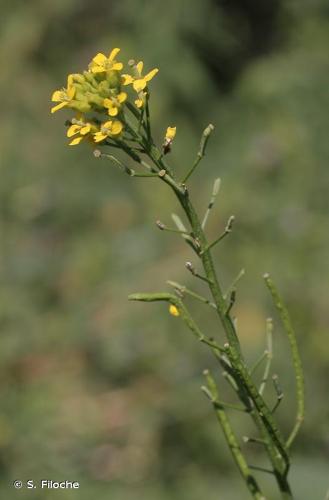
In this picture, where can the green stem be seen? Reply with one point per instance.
(209, 269)
(148, 119)
(234, 352)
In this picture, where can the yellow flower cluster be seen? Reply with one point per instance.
(97, 97)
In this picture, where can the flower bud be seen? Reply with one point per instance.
(79, 87)
(114, 79)
(82, 106)
(104, 87)
(95, 99)
(76, 77)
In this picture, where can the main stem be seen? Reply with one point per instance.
(276, 446)
(209, 269)
(280, 464)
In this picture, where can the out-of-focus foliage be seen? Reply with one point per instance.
(105, 392)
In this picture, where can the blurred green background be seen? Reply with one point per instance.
(106, 392)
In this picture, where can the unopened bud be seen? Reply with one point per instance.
(114, 79)
(78, 78)
(81, 106)
(95, 99)
(104, 86)
(90, 78)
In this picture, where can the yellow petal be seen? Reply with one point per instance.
(58, 106)
(72, 130)
(99, 59)
(99, 136)
(69, 80)
(122, 97)
(127, 79)
(151, 74)
(173, 310)
(107, 124)
(71, 92)
(97, 69)
(76, 141)
(139, 67)
(57, 96)
(170, 133)
(107, 103)
(117, 66)
(139, 103)
(139, 84)
(113, 53)
(113, 110)
(86, 129)
(116, 127)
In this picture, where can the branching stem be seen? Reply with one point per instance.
(230, 356)
(212, 393)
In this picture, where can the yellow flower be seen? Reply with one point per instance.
(102, 63)
(140, 102)
(170, 133)
(64, 96)
(114, 103)
(79, 127)
(139, 82)
(173, 310)
(108, 129)
(169, 137)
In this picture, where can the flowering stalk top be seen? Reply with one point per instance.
(104, 109)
